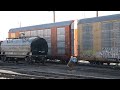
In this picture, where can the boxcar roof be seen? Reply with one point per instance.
(42, 26)
(99, 19)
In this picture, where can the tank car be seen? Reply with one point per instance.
(28, 48)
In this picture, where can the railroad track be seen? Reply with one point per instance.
(79, 64)
(46, 75)
(54, 71)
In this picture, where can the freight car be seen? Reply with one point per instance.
(99, 39)
(93, 39)
(24, 48)
(59, 36)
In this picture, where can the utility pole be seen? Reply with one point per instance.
(54, 16)
(84, 14)
(97, 13)
(20, 24)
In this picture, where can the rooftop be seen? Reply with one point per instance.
(99, 19)
(42, 26)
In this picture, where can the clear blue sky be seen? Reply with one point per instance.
(12, 19)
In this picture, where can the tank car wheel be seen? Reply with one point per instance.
(108, 63)
(28, 60)
(43, 60)
(100, 63)
(3, 58)
(63, 62)
(91, 62)
(16, 62)
(117, 64)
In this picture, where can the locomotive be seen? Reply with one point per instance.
(30, 49)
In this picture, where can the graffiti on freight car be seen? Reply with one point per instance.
(88, 53)
(109, 53)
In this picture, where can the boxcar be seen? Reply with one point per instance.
(59, 36)
(99, 39)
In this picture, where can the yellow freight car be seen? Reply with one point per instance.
(99, 39)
